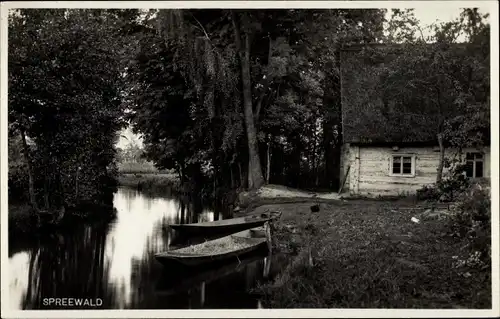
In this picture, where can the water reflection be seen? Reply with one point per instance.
(19, 276)
(69, 266)
(115, 262)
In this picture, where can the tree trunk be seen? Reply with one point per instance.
(241, 175)
(439, 176)
(233, 184)
(46, 187)
(178, 170)
(183, 210)
(255, 178)
(268, 162)
(31, 180)
(314, 158)
(76, 183)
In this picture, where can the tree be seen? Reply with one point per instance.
(64, 85)
(243, 32)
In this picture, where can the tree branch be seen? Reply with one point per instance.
(201, 27)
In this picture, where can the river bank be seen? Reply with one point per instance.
(367, 254)
(148, 181)
(24, 223)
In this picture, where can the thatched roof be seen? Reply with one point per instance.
(368, 114)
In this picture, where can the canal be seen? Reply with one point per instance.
(114, 262)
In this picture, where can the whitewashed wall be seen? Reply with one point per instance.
(369, 173)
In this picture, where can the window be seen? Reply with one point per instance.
(402, 165)
(475, 165)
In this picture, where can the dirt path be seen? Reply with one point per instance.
(277, 191)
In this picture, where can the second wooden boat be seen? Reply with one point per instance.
(225, 248)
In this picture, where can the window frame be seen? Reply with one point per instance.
(474, 161)
(413, 165)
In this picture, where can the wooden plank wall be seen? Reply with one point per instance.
(369, 172)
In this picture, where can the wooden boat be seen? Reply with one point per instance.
(179, 241)
(222, 249)
(225, 226)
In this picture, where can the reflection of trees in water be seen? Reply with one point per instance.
(69, 266)
(149, 204)
(129, 195)
(189, 209)
(147, 270)
(181, 212)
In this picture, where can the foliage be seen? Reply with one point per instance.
(64, 94)
(218, 94)
(450, 187)
(18, 178)
(136, 168)
(471, 220)
(428, 192)
(131, 153)
(413, 90)
(187, 85)
(150, 181)
(454, 183)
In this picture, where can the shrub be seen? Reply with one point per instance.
(453, 184)
(428, 192)
(471, 220)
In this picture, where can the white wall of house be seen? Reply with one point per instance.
(371, 174)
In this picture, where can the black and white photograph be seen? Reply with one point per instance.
(249, 158)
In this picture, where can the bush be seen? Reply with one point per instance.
(471, 220)
(428, 192)
(453, 184)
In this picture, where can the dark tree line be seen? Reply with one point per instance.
(229, 99)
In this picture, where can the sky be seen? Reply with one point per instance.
(425, 16)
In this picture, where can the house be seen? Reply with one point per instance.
(384, 151)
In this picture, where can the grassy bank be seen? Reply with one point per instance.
(370, 255)
(24, 223)
(148, 181)
(138, 168)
